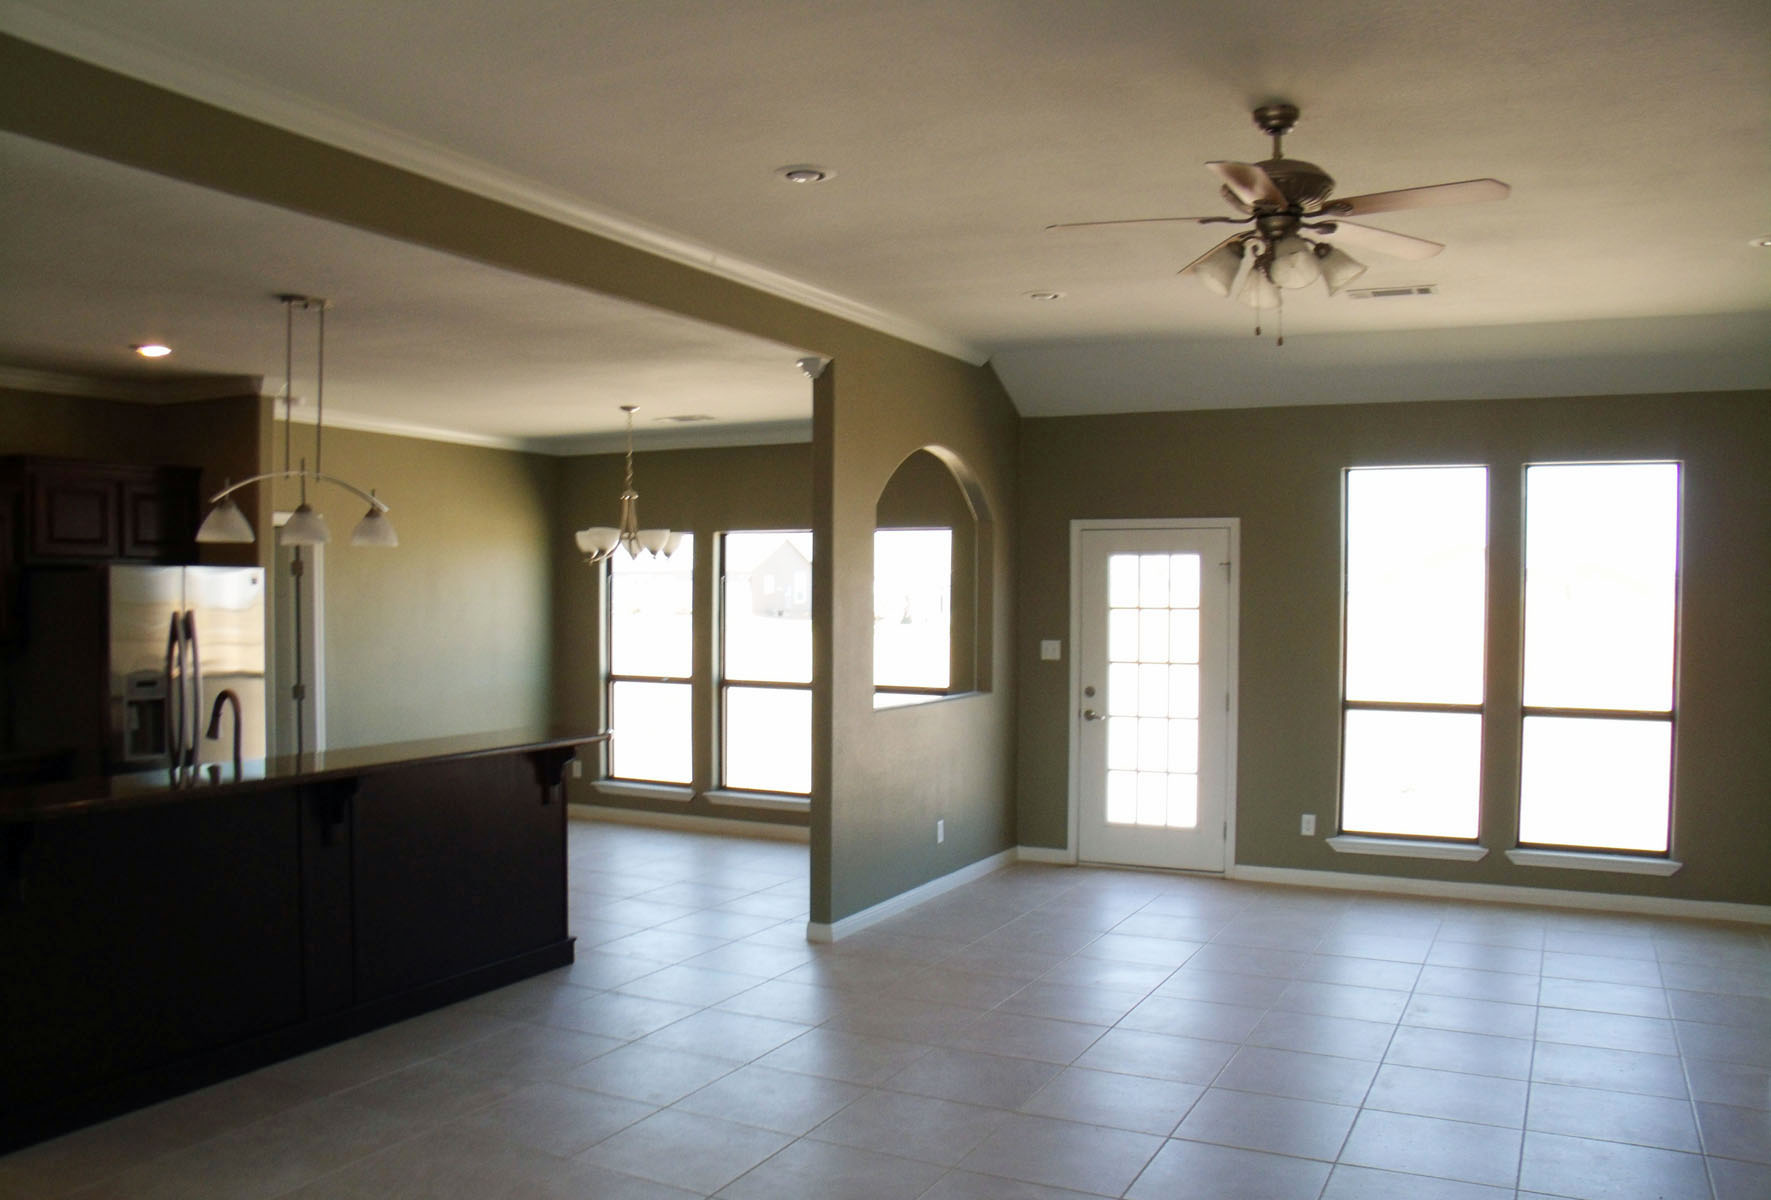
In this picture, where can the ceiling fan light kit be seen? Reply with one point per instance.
(1296, 225)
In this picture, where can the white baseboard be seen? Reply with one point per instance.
(690, 822)
(1045, 854)
(817, 931)
(1665, 906)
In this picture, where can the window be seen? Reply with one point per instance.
(912, 614)
(1601, 572)
(651, 641)
(766, 661)
(1416, 592)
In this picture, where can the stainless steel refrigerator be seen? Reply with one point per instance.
(123, 665)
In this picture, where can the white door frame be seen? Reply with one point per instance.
(1231, 631)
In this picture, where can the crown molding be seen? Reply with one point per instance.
(238, 93)
(131, 390)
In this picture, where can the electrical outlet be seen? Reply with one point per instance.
(1307, 826)
(940, 831)
(577, 769)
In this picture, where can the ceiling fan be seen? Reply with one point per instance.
(1296, 231)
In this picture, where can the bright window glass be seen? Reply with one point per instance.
(769, 739)
(1601, 565)
(1417, 551)
(766, 638)
(651, 656)
(1601, 595)
(652, 727)
(1412, 774)
(1596, 783)
(1416, 638)
(912, 608)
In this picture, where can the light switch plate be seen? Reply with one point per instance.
(1051, 650)
(1307, 826)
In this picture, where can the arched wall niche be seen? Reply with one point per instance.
(930, 491)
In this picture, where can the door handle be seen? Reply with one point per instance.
(1089, 714)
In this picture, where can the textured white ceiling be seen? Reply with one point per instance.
(1635, 134)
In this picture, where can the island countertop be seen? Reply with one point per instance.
(102, 793)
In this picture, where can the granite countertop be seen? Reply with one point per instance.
(100, 793)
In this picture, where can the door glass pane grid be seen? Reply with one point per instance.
(1153, 690)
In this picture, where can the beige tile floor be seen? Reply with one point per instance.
(1042, 1033)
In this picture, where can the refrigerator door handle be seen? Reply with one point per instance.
(175, 692)
(196, 677)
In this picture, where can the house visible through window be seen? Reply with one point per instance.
(651, 640)
(766, 661)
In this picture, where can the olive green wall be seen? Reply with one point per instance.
(450, 631)
(893, 397)
(892, 773)
(1279, 470)
(703, 492)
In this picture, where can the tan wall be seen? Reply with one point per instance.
(1279, 470)
(703, 492)
(450, 632)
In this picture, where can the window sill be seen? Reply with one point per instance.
(773, 801)
(1349, 843)
(1586, 860)
(631, 790)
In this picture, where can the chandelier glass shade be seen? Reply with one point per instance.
(598, 542)
(226, 523)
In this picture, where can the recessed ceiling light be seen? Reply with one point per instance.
(1763, 243)
(1045, 295)
(152, 350)
(805, 173)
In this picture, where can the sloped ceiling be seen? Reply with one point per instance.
(1636, 135)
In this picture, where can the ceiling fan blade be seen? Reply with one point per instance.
(1382, 241)
(1152, 221)
(1248, 183)
(1470, 191)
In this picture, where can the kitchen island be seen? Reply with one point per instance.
(162, 931)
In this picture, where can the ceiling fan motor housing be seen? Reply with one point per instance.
(1303, 184)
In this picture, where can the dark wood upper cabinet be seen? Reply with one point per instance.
(96, 512)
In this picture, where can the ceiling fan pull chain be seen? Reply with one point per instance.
(1279, 318)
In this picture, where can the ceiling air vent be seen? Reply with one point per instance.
(686, 418)
(1394, 293)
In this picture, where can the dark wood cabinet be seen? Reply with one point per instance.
(95, 512)
(186, 936)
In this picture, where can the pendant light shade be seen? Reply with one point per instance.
(305, 527)
(1294, 263)
(226, 524)
(1338, 267)
(599, 541)
(374, 529)
(1217, 270)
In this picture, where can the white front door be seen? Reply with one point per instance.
(1152, 713)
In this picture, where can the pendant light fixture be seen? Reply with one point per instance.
(305, 527)
(600, 541)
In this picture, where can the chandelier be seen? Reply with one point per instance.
(305, 527)
(600, 541)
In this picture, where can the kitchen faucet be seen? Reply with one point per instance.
(226, 696)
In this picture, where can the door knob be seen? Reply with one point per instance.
(1089, 714)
